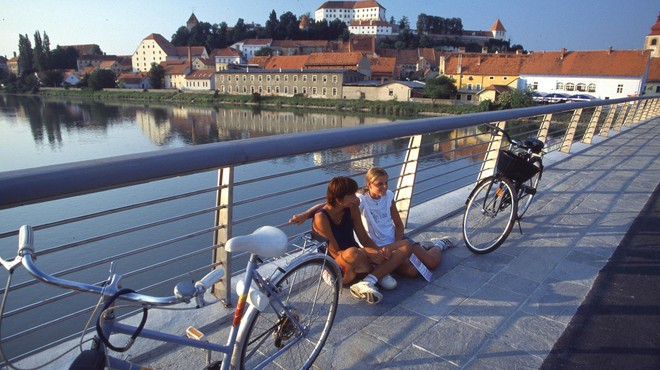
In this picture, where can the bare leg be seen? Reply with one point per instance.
(431, 258)
(354, 262)
(398, 257)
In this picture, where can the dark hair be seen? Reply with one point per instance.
(338, 188)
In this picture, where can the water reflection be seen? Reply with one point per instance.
(50, 121)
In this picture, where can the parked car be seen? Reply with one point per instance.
(581, 97)
(553, 98)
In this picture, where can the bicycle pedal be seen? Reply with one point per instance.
(193, 333)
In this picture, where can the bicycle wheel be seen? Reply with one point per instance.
(527, 191)
(489, 215)
(309, 288)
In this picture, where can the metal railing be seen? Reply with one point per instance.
(165, 216)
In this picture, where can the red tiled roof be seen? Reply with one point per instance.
(587, 63)
(497, 26)
(334, 60)
(485, 64)
(195, 51)
(654, 70)
(162, 42)
(177, 67)
(286, 62)
(655, 29)
(200, 74)
(382, 65)
(299, 43)
(260, 61)
(257, 41)
(226, 52)
(349, 5)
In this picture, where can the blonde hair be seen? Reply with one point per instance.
(372, 175)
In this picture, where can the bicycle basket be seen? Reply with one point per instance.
(514, 167)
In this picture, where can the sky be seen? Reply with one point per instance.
(119, 26)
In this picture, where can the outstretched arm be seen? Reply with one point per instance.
(300, 218)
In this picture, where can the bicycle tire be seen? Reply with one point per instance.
(303, 289)
(489, 215)
(525, 197)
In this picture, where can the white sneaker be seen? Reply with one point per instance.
(443, 243)
(367, 291)
(387, 282)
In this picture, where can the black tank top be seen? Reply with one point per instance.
(343, 232)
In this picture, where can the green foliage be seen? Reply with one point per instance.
(101, 79)
(515, 99)
(156, 76)
(440, 88)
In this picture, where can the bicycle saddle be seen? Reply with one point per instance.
(266, 241)
(534, 144)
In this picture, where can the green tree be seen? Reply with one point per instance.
(40, 62)
(156, 76)
(101, 79)
(25, 55)
(515, 99)
(272, 26)
(440, 88)
(240, 31)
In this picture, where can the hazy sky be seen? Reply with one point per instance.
(119, 26)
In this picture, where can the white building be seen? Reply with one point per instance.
(156, 49)
(348, 11)
(372, 27)
(607, 74)
(249, 47)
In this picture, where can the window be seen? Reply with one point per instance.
(535, 86)
(260, 78)
(469, 86)
(244, 89)
(591, 88)
(325, 79)
(277, 89)
(654, 42)
(506, 78)
(244, 78)
(491, 78)
(619, 88)
(277, 78)
(570, 86)
(268, 78)
(314, 78)
(313, 90)
(252, 78)
(295, 78)
(286, 78)
(304, 78)
(295, 90)
(391, 93)
(581, 87)
(286, 89)
(334, 79)
(478, 86)
(334, 91)
(268, 89)
(560, 86)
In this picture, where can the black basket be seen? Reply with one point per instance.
(514, 167)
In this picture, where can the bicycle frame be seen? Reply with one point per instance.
(111, 291)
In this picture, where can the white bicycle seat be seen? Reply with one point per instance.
(266, 241)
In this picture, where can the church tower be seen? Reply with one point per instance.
(652, 40)
(192, 22)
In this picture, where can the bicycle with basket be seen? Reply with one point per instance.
(498, 201)
(281, 320)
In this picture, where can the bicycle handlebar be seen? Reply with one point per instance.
(26, 257)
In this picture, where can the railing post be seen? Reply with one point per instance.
(591, 129)
(647, 109)
(406, 183)
(223, 219)
(570, 132)
(544, 128)
(632, 113)
(490, 159)
(621, 117)
(609, 120)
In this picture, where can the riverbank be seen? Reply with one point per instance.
(222, 100)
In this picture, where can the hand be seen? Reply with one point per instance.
(298, 219)
(377, 255)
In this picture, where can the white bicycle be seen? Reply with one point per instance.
(280, 321)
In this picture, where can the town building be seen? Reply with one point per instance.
(313, 83)
(652, 40)
(347, 11)
(14, 67)
(134, 80)
(362, 17)
(225, 57)
(249, 47)
(604, 74)
(298, 47)
(473, 72)
(200, 80)
(403, 91)
(156, 49)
